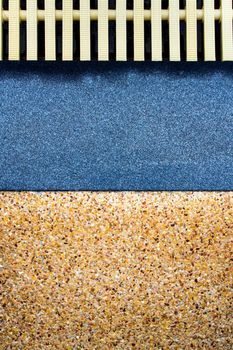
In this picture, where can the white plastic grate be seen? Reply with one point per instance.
(175, 32)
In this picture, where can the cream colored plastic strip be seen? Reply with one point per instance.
(191, 25)
(14, 30)
(85, 30)
(174, 30)
(1, 46)
(67, 31)
(156, 31)
(50, 30)
(32, 50)
(103, 45)
(121, 33)
(227, 39)
(112, 15)
(139, 49)
(209, 30)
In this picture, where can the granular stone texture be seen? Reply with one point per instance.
(116, 126)
(116, 271)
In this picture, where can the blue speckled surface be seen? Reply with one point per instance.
(109, 126)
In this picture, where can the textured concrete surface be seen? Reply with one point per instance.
(116, 271)
(116, 126)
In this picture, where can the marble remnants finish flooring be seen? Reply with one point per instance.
(116, 270)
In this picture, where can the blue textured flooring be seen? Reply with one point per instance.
(109, 126)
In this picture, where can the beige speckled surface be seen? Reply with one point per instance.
(116, 271)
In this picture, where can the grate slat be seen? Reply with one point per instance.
(191, 20)
(139, 30)
(50, 30)
(1, 31)
(32, 30)
(121, 33)
(103, 49)
(209, 31)
(227, 45)
(85, 31)
(67, 31)
(14, 30)
(156, 30)
(174, 30)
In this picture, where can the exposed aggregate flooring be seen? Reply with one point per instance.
(121, 270)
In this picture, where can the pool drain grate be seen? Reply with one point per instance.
(156, 30)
